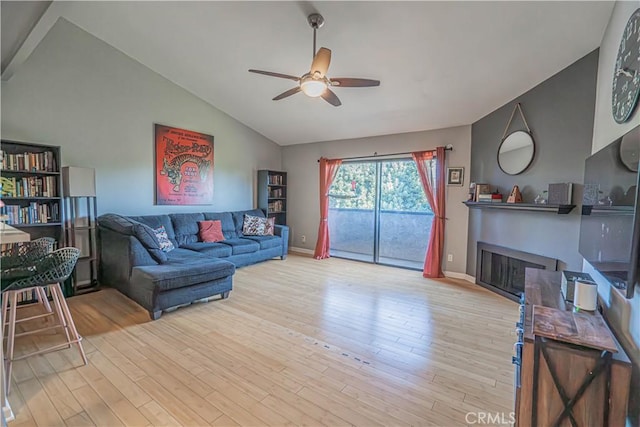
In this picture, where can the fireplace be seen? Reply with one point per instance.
(501, 269)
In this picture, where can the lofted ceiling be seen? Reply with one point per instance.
(441, 64)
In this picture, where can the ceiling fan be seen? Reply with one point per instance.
(316, 83)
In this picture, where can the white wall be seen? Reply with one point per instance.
(624, 315)
(300, 161)
(100, 106)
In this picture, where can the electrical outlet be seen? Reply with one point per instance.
(303, 238)
(450, 258)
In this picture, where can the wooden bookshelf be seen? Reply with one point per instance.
(31, 188)
(272, 194)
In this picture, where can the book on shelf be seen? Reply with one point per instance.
(275, 180)
(276, 193)
(30, 186)
(490, 198)
(277, 206)
(34, 213)
(31, 162)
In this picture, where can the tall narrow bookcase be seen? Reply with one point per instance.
(31, 189)
(272, 194)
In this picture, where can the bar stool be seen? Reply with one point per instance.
(49, 271)
(17, 261)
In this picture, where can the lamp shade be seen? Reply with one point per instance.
(78, 182)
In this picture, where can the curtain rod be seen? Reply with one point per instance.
(449, 147)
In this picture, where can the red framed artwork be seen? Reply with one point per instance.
(183, 167)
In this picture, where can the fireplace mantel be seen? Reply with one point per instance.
(558, 209)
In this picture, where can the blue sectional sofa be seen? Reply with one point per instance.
(132, 262)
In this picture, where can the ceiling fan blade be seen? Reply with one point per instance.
(272, 74)
(321, 61)
(351, 82)
(287, 93)
(331, 98)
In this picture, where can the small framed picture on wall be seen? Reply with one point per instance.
(455, 176)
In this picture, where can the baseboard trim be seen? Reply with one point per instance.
(461, 276)
(304, 251)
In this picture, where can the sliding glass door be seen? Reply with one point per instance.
(378, 213)
(352, 209)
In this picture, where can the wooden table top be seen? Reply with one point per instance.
(9, 234)
(542, 288)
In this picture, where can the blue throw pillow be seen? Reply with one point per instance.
(147, 236)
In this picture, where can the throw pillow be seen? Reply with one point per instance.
(210, 231)
(147, 236)
(270, 226)
(163, 239)
(253, 225)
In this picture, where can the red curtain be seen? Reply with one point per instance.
(328, 171)
(434, 189)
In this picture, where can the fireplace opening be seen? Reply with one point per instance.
(502, 269)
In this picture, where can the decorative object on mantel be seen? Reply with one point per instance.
(515, 196)
(560, 194)
(532, 207)
(472, 192)
(516, 150)
(455, 176)
(482, 189)
(541, 199)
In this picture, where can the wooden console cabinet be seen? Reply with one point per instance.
(550, 373)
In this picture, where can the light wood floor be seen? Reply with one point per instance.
(298, 342)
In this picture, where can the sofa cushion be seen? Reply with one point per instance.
(238, 218)
(210, 231)
(213, 249)
(242, 246)
(226, 219)
(186, 256)
(155, 221)
(185, 226)
(172, 276)
(266, 242)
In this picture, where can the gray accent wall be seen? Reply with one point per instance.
(100, 106)
(303, 206)
(560, 113)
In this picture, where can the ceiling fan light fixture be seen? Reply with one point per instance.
(313, 87)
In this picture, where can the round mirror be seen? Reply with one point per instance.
(516, 152)
(630, 148)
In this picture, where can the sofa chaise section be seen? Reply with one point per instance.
(154, 279)
(133, 262)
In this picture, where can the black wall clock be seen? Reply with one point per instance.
(626, 74)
